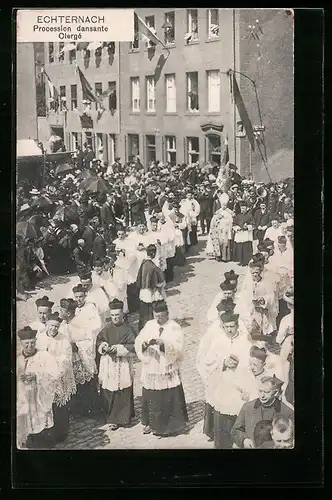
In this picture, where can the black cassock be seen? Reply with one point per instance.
(119, 402)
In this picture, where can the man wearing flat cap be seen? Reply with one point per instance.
(37, 376)
(115, 344)
(160, 347)
(222, 365)
(266, 407)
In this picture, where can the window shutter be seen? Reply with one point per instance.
(105, 148)
(80, 139)
(185, 156)
(67, 141)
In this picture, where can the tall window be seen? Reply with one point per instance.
(72, 55)
(133, 145)
(112, 96)
(150, 148)
(111, 153)
(99, 147)
(51, 52)
(170, 148)
(213, 23)
(170, 93)
(192, 91)
(192, 25)
(89, 140)
(98, 92)
(213, 78)
(135, 94)
(135, 43)
(150, 93)
(74, 141)
(73, 97)
(61, 54)
(193, 150)
(169, 27)
(63, 103)
(149, 21)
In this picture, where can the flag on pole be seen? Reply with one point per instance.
(87, 92)
(243, 113)
(148, 33)
(222, 177)
(53, 93)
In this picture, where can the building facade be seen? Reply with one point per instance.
(26, 109)
(174, 102)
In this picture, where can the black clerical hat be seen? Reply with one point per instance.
(27, 333)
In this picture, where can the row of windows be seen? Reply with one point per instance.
(191, 146)
(192, 27)
(192, 92)
(56, 54)
(104, 146)
(192, 34)
(63, 105)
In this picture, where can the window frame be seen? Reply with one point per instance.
(167, 93)
(211, 35)
(98, 94)
(209, 85)
(189, 91)
(190, 151)
(138, 97)
(51, 53)
(167, 42)
(74, 86)
(191, 35)
(150, 78)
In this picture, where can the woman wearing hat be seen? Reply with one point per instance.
(57, 344)
(37, 376)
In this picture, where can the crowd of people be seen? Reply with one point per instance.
(122, 230)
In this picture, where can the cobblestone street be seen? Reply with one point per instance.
(189, 297)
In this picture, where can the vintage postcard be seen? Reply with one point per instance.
(154, 229)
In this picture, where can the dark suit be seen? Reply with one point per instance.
(99, 247)
(82, 258)
(88, 236)
(107, 218)
(253, 412)
(261, 219)
(206, 203)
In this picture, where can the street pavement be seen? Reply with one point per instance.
(189, 297)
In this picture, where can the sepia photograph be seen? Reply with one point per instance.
(154, 231)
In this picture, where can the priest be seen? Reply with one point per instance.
(160, 347)
(37, 375)
(44, 310)
(57, 343)
(115, 344)
(150, 283)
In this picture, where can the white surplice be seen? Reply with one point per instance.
(224, 388)
(35, 399)
(161, 370)
(60, 348)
